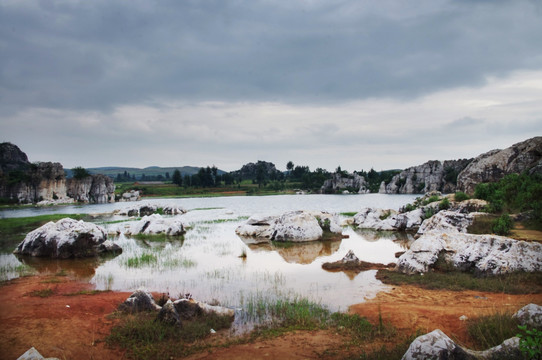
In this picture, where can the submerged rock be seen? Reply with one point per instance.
(291, 226)
(65, 239)
(484, 253)
(350, 262)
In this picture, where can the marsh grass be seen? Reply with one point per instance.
(146, 338)
(145, 259)
(157, 237)
(514, 283)
(491, 330)
(349, 213)
(87, 292)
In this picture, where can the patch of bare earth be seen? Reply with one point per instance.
(78, 331)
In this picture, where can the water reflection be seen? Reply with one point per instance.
(299, 253)
(402, 238)
(81, 268)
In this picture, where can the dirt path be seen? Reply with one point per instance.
(77, 331)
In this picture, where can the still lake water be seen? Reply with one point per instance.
(207, 262)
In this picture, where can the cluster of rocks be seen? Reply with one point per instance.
(172, 312)
(437, 345)
(132, 195)
(149, 209)
(46, 182)
(296, 226)
(67, 238)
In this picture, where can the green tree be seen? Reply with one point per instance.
(80, 172)
(177, 178)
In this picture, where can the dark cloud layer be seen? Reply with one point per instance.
(98, 54)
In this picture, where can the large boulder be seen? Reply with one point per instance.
(495, 164)
(291, 226)
(156, 224)
(65, 239)
(530, 315)
(168, 314)
(488, 254)
(447, 221)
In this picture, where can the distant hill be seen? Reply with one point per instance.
(149, 172)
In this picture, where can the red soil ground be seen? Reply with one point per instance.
(77, 331)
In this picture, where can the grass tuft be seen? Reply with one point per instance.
(491, 330)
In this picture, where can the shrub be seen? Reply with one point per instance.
(80, 172)
(461, 196)
(444, 204)
(530, 342)
(428, 213)
(502, 225)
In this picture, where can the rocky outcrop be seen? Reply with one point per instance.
(492, 166)
(339, 182)
(97, 188)
(447, 221)
(485, 254)
(291, 226)
(168, 314)
(33, 354)
(432, 176)
(24, 182)
(65, 239)
(380, 219)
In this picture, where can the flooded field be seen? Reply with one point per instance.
(212, 264)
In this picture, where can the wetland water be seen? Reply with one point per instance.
(206, 263)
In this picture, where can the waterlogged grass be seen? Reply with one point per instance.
(221, 221)
(145, 259)
(157, 237)
(514, 283)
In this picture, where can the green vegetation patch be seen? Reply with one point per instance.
(43, 293)
(145, 259)
(514, 283)
(87, 292)
(162, 237)
(145, 338)
(491, 330)
(349, 213)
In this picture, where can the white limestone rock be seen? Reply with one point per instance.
(530, 315)
(380, 219)
(291, 226)
(155, 224)
(139, 300)
(447, 221)
(483, 253)
(64, 239)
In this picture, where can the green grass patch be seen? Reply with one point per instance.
(42, 293)
(491, 330)
(52, 281)
(13, 230)
(145, 338)
(87, 292)
(514, 283)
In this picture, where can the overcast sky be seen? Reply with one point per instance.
(360, 84)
